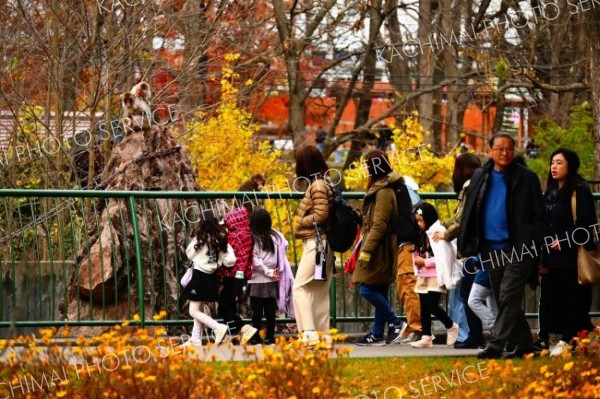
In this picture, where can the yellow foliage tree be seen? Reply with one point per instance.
(411, 157)
(224, 153)
(222, 148)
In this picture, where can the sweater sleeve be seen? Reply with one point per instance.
(430, 263)
(190, 251)
(227, 259)
(259, 265)
(453, 225)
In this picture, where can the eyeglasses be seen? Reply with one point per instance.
(504, 150)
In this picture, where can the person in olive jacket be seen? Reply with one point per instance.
(377, 258)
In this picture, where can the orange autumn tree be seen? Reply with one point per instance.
(222, 147)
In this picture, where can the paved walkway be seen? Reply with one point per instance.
(229, 352)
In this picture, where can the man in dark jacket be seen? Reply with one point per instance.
(503, 222)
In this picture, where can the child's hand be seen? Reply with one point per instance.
(276, 275)
(419, 262)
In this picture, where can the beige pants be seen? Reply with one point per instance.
(405, 288)
(311, 298)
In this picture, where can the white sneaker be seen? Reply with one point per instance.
(192, 343)
(426, 341)
(559, 348)
(328, 341)
(310, 338)
(412, 337)
(452, 335)
(219, 333)
(247, 332)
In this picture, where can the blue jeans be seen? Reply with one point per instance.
(456, 311)
(377, 295)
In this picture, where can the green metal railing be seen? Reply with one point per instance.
(50, 239)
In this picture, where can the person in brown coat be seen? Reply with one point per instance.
(375, 271)
(311, 296)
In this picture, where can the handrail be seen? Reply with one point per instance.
(32, 226)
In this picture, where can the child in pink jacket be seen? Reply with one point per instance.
(427, 285)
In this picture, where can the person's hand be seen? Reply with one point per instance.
(438, 235)
(555, 245)
(543, 270)
(276, 275)
(419, 262)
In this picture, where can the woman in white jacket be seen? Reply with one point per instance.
(208, 250)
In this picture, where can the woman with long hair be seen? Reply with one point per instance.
(377, 259)
(270, 247)
(564, 303)
(208, 251)
(310, 295)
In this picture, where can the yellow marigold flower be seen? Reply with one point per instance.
(568, 366)
(150, 378)
(61, 394)
(136, 317)
(316, 390)
(249, 82)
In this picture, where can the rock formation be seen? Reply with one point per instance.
(105, 273)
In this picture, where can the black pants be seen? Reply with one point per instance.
(268, 308)
(474, 322)
(562, 304)
(430, 305)
(231, 293)
(584, 297)
(508, 285)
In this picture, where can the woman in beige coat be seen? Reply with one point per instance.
(311, 296)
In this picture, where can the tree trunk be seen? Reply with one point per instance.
(363, 108)
(593, 28)
(426, 70)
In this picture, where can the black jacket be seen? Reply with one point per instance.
(524, 209)
(561, 225)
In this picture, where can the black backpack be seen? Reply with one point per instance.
(406, 227)
(343, 223)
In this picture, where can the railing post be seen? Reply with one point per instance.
(138, 260)
(333, 300)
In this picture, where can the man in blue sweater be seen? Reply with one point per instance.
(503, 222)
